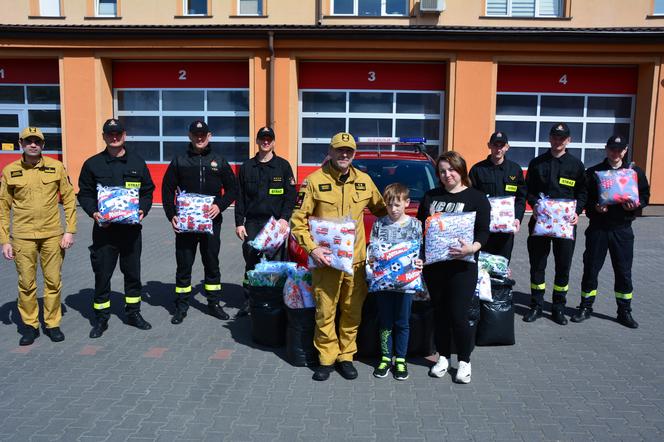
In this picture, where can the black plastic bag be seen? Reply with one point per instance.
(268, 316)
(420, 339)
(300, 350)
(368, 334)
(496, 326)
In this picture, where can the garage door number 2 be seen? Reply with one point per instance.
(182, 74)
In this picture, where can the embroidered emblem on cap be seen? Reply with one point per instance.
(32, 130)
(499, 134)
(618, 140)
(199, 124)
(112, 123)
(345, 137)
(560, 127)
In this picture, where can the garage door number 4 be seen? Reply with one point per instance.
(2, 74)
(563, 79)
(182, 74)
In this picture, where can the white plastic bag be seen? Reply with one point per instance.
(483, 288)
(298, 292)
(338, 235)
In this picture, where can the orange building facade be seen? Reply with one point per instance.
(450, 76)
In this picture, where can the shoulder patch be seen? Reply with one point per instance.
(299, 200)
(360, 186)
(15, 173)
(325, 187)
(49, 169)
(512, 177)
(304, 184)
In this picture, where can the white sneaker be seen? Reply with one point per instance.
(463, 373)
(439, 370)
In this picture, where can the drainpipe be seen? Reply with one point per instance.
(319, 20)
(271, 80)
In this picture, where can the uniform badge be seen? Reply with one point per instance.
(345, 137)
(304, 184)
(292, 181)
(512, 177)
(277, 179)
(49, 169)
(360, 186)
(214, 165)
(300, 199)
(325, 187)
(16, 173)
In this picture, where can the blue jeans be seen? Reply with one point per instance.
(393, 319)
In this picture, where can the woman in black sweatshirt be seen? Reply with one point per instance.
(452, 283)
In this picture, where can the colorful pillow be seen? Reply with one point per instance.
(117, 205)
(392, 267)
(617, 186)
(554, 218)
(502, 214)
(338, 235)
(192, 211)
(443, 231)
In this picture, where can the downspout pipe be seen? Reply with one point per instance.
(319, 19)
(270, 42)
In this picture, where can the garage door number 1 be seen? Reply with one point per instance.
(182, 74)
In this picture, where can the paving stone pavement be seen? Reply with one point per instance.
(206, 380)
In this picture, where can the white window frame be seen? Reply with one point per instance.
(22, 109)
(185, 10)
(260, 13)
(347, 115)
(194, 114)
(43, 10)
(537, 11)
(578, 140)
(356, 8)
(98, 14)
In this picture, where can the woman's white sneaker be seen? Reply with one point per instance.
(463, 373)
(440, 368)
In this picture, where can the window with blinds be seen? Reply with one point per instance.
(658, 7)
(49, 8)
(250, 7)
(524, 8)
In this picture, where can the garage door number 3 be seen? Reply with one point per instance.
(182, 74)
(372, 76)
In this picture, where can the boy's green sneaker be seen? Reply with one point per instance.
(400, 370)
(383, 368)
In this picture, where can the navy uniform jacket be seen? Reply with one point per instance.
(505, 179)
(615, 215)
(562, 177)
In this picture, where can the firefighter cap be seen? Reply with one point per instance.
(343, 139)
(616, 142)
(32, 132)
(113, 125)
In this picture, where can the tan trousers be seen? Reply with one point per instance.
(26, 254)
(335, 289)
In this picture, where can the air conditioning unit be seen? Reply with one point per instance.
(432, 5)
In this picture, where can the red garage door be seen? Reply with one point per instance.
(368, 99)
(29, 96)
(156, 101)
(595, 101)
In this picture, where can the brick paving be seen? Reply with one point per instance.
(206, 380)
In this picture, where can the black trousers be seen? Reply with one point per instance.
(619, 242)
(108, 244)
(185, 254)
(452, 286)
(500, 244)
(253, 256)
(539, 248)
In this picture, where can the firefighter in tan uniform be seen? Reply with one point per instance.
(334, 191)
(31, 188)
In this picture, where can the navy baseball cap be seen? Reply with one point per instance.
(616, 142)
(265, 132)
(498, 137)
(113, 125)
(198, 126)
(559, 130)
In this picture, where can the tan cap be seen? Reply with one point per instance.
(343, 139)
(32, 132)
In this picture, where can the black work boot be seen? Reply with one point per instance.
(99, 328)
(244, 310)
(178, 317)
(625, 318)
(533, 314)
(29, 336)
(558, 316)
(214, 309)
(322, 372)
(536, 301)
(55, 334)
(135, 319)
(582, 314)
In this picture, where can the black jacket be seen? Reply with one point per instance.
(205, 172)
(506, 179)
(107, 170)
(562, 177)
(266, 189)
(615, 215)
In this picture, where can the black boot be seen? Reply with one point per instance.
(29, 337)
(135, 319)
(55, 334)
(625, 318)
(178, 317)
(322, 372)
(99, 328)
(217, 311)
(558, 316)
(582, 314)
(533, 314)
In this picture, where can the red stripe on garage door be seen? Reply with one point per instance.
(180, 74)
(157, 172)
(29, 71)
(568, 79)
(372, 75)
